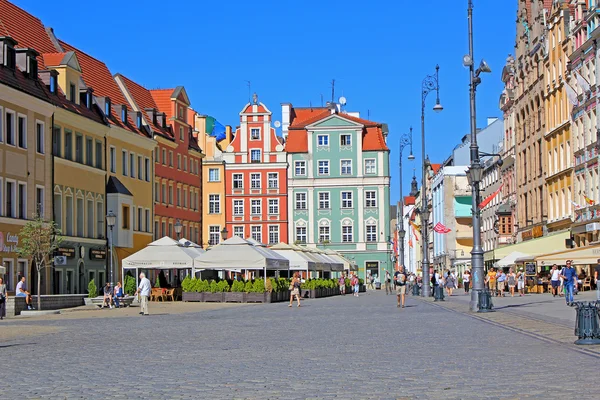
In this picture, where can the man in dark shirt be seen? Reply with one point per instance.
(400, 282)
(570, 281)
(596, 278)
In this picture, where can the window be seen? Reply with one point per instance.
(300, 168)
(39, 136)
(345, 140)
(164, 193)
(324, 201)
(80, 218)
(185, 198)
(69, 215)
(170, 194)
(132, 165)
(238, 231)
(164, 157)
(214, 235)
(147, 169)
(324, 235)
(238, 181)
(324, 167)
(147, 220)
(98, 155)
(192, 166)
(90, 218)
(22, 131)
(68, 144)
(273, 178)
(185, 168)
(273, 234)
(347, 200)
(178, 161)
(346, 234)
(170, 158)
(10, 127)
(178, 197)
(255, 181)
(140, 219)
(140, 168)
(170, 229)
(156, 232)
(323, 140)
(255, 156)
(22, 201)
(79, 148)
(370, 198)
(273, 206)
(56, 140)
(124, 161)
(254, 134)
(72, 94)
(1, 124)
(181, 137)
(164, 229)
(238, 207)
(125, 216)
(58, 211)
(10, 274)
(89, 152)
(214, 204)
(39, 201)
(371, 233)
(301, 201)
(257, 233)
(370, 166)
(213, 175)
(346, 167)
(113, 160)
(256, 206)
(301, 234)
(10, 194)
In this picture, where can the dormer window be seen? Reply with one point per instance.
(53, 78)
(138, 119)
(107, 107)
(124, 114)
(89, 98)
(72, 92)
(7, 52)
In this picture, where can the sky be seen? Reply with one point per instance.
(377, 51)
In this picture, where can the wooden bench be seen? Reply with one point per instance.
(123, 301)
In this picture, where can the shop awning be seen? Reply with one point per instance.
(535, 247)
(583, 256)
(511, 259)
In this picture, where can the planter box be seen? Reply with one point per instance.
(192, 296)
(213, 297)
(256, 297)
(234, 297)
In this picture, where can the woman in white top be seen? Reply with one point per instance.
(466, 280)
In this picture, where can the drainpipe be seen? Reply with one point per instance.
(52, 194)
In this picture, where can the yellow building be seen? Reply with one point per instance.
(559, 154)
(25, 158)
(213, 178)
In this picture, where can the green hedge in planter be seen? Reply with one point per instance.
(258, 286)
(237, 286)
(223, 286)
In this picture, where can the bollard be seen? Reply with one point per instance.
(587, 326)
(484, 302)
(415, 289)
(439, 293)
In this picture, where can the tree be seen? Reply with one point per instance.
(39, 240)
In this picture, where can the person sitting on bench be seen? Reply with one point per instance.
(107, 296)
(118, 294)
(21, 292)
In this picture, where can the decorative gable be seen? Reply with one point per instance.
(334, 120)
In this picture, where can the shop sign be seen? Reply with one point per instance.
(97, 254)
(538, 231)
(9, 244)
(68, 252)
(526, 235)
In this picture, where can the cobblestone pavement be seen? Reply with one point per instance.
(339, 347)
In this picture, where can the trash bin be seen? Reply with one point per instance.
(587, 324)
(377, 285)
(484, 303)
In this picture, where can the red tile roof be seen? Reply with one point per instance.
(19, 81)
(162, 98)
(26, 29)
(53, 59)
(435, 168)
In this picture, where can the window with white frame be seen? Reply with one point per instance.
(214, 235)
(124, 162)
(301, 234)
(347, 200)
(323, 167)
(324, 203)
(238, 207)
(300, 168)
(140, 167)
(238, 231)
(178, 161)
(213, 175)
(301, 201)
(100, 219)
(370, 166)
(22, 131)
(238, 181)
(10, 196)
(370, 198)
(39, 137)
(185, 197)
(324, 234)
(90, 217)
(140, 219)
(178, 197)
(147, 212)
(39, 201)
(147, 169)
(255, 181)
(273, 234)
(22, 201)
(273, 206)
(132, 165)
(185, 163)
(322, 140)
(80, 212)
(257, 233)
(254, 133)
(255, 206)
(371, 232)
(347, 234)
(346, 167)
(273, 180)
(214, 204)
(346, 140)
(9, 131)
(2, 125)
(255, 155)
(113, 159)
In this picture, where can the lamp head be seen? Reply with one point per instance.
(438, 107)
(411, 157)
(467, 60)
(484, 67)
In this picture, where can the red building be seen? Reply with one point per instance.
(256, 179)
(177, 158)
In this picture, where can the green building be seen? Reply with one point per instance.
(339, 184)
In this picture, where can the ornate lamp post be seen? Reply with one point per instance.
(111, 220)
(178, 228)
(430, 83)
(224, 233)
(405, 140)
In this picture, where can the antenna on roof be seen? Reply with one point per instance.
(310, 102)
(249, 91)
(369, 114)
(332, 90)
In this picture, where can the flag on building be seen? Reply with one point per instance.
(215, 129)
(440, 228)
(588, 200)
(488, 199)
(415, 226)
(577, 206)
(572, 95)
(414, 232)
(410, 243)
(582, 82)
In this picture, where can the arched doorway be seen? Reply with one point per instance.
(81, 274)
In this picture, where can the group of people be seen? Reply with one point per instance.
(497, 281)
(112, 297)
(20, 291)
(449, 280)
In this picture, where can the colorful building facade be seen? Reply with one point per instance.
(256, 182)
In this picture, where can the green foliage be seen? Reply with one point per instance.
(361, 281)
(129, 285)
(223, 286)
(248, 288)
(157, 283)
(213, 287)
(258, 286)
(202, 286)
(237, 286)
(92, 289)
(186, 284)
(38, 240)
(347, 281)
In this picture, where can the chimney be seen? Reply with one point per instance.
(7, 52)
(26, 60)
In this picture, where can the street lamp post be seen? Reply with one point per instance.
(178, 228)
(405, 140)
(111, 220)
(430, 83)
(224, 233)
(475, 170)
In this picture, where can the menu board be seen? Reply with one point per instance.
(530, 269)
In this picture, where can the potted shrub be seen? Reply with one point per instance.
(257, 293)
(189, 287)
(213, 294)
(92, 292)
(237, 294)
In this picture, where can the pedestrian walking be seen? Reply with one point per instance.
(400, 282)
(411, 282)
(501, 282)
(355, 284)
(295, 289)
(570, 281)
(555, 280)
(3, 299)
(450, 283)
(521, 283)
(342, 284)
(388, 280)
(144, 291)
(370, 282)
(511, 279)
(490, 280)
(596, 278)
(467, 280)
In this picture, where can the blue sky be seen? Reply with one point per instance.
(378, 52)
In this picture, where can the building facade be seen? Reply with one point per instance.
(339, 184)
(256, 179)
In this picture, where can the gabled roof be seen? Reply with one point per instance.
(162, 98)
(19, 81)
(53, 59)
(114, 185)
(409, 200)
(435, 168)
